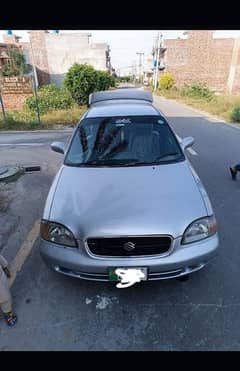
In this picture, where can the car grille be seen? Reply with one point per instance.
(129, 246)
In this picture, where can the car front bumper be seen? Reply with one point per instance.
(182, 260)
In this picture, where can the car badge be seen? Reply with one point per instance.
(129, 246)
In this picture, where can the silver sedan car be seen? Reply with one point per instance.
(126, 197)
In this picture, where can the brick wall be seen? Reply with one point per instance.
(14, 91)
(201, 58)
(14, 102)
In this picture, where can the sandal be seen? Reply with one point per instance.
(10, 318)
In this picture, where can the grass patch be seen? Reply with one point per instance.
(64, 117)
(27, 120)
(224, 106)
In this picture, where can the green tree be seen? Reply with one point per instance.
(81, 80)
(16, 66)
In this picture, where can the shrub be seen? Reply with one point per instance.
(197, 90)
(166, 81)
(112, 81)
(81, 80)
(235, 114)
(50, 97)
(104, 80)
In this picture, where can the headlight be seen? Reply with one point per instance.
(200, 229)
(57, 233)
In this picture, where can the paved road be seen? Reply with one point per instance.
(21, 202)
(60, 313)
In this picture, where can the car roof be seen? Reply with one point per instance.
(115, 94)
(122, 108)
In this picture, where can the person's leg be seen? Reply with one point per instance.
(6, 306)
(233, 170)
(6, 302)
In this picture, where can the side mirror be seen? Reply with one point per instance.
(187, 142)
(58, 147)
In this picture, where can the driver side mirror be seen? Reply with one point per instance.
(58, 147)
(187, 142)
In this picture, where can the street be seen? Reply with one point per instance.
(61, 313)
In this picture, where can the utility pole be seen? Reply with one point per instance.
(35, 83)
(157, 54)
(140, 63)
(3, 111)
(154, 53)
(36, 98)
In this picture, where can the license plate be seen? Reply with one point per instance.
(114, 277)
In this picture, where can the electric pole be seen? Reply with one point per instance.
(3, 110)
(157, 54)
(35, 83)
(140, 63)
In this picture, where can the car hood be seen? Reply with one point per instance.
(139, 200)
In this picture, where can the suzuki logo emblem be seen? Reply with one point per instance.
(129, 246)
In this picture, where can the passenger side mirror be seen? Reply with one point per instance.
(187, 142)
(58, 147)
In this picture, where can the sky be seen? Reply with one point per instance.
(125, 44)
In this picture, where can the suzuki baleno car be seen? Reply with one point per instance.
(126, 196)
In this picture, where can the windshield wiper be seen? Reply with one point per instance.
(155, 162)
(167, 154)
(108, 162)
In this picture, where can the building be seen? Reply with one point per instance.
(53, 53)
(200, 57)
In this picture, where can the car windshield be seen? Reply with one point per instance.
(123, 141)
